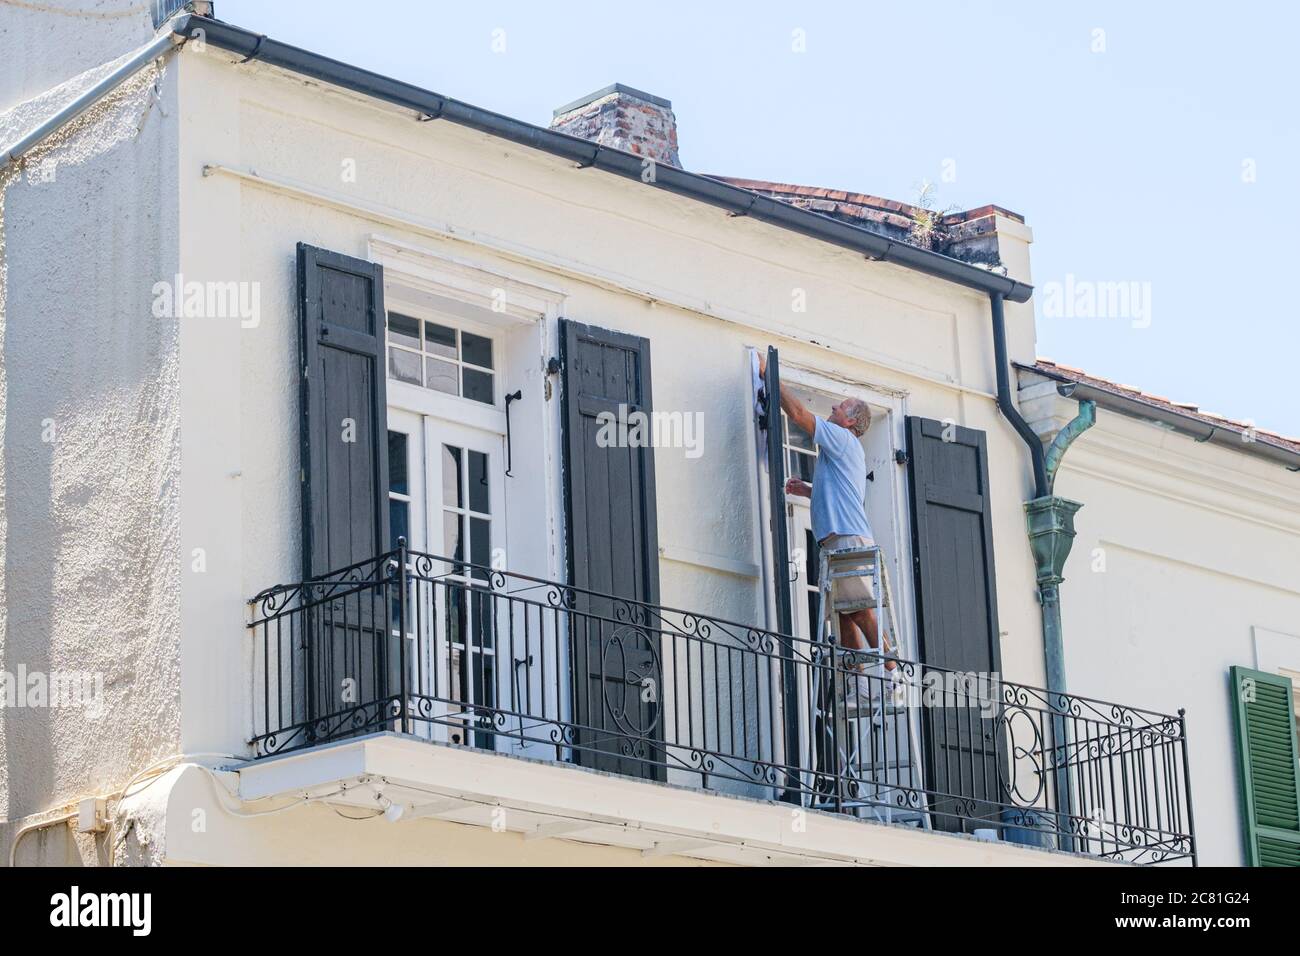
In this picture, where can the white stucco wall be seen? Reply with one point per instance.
(1184, 551)
(47, 43)
(89, 415)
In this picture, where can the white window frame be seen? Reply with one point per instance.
(428, 401)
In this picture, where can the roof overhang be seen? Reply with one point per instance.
(737, 201)
(1258, 446)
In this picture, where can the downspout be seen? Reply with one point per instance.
(1004, 397)
(162, 44)
(1049, 522)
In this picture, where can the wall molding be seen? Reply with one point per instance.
(589, 275)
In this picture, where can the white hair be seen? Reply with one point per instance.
(858, 413)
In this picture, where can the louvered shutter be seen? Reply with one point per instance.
(1270, 779)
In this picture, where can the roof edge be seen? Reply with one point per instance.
(740, 202)
(1223, 434)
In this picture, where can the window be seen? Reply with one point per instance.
(399, 509)
(801, 462)
(466, 517)
(441, 358)
(399, 489)
(801, 451)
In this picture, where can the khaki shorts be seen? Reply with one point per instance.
(849, 593)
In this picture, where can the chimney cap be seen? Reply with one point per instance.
(609, 90)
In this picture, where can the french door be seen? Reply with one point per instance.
(447, 496)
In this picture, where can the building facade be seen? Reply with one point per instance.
(401, 472)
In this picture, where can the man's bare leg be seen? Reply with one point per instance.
(850, 634)
(862, 622)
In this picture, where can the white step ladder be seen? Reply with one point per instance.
(867, 753)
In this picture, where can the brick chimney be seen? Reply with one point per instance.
(625, 119)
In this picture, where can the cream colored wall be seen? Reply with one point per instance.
(1183, 549)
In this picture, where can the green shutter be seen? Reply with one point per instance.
(1270, 777)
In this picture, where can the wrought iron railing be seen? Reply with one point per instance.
(476, 656)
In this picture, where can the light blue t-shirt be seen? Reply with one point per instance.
(839, 483)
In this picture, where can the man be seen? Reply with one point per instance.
(839, 518)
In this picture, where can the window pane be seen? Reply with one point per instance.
(478, 482)
(476, 349)
(439, 340)
(482, 631)
(397, 463)
(802, 466)
(460, 667)
(485, 690)
(404, 366)
(455, 616)
(480, 548)
(453, 542)
(440, 376)
(812, 551)
(403, 330)
(796, 436)
(399, 514)
(451, 483)
(478, 385)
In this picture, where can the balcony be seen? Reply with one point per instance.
(483, 658)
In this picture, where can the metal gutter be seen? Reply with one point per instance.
(90, 97)
(1185, 424)
(740, 202)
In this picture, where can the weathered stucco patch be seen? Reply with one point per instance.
(89, 439)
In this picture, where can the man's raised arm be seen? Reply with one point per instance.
(796, 409)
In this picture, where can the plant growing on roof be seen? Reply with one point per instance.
(927, 230)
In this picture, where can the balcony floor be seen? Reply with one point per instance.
(560, 802)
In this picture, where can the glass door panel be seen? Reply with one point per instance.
(466, 506)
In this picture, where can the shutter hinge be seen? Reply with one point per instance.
(900, 457)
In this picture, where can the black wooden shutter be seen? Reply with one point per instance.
(613, 549)
(956, 611)
(344, 451)
(774, 429)
(344, 408)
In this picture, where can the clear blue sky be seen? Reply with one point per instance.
(1130, 163)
